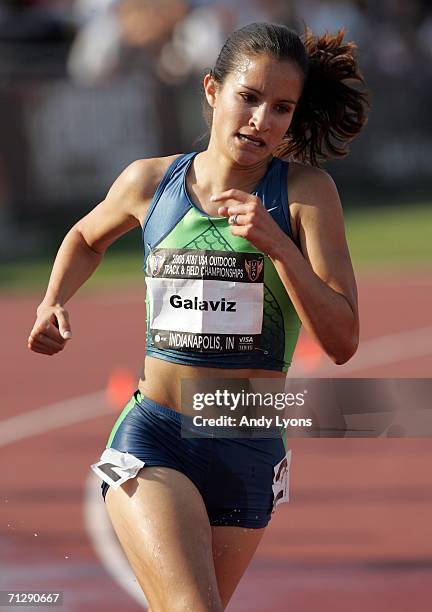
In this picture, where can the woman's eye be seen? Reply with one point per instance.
(251, 99)
(248, 97)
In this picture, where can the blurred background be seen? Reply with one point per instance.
(86, 87)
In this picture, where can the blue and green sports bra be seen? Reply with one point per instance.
(213, 299)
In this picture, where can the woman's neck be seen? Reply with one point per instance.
(215, 173)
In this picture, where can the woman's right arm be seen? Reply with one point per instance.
(83, 248)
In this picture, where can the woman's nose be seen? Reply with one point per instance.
(260, 118)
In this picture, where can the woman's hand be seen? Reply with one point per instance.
(319, 279)
(51, 330)
(250, 220)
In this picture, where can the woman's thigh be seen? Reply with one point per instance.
(162, 524)
(233, 549)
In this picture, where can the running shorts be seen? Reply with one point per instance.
(237, 477)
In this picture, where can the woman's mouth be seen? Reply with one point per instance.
(253, 140)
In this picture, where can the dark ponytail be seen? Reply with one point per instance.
(334, 103)
(333, 106)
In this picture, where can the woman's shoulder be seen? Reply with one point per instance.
(143, 176)
(312, 194)
(133, 190)
(306, 180)
(308, 187)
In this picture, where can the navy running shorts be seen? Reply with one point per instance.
(235, 476)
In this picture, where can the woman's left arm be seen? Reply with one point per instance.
(320, 279)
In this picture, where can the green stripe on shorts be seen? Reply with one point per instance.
(283, 433)
(131, 403)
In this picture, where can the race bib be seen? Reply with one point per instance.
(115, 467)
(281, 481)
(206, 301)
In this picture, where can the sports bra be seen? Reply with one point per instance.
(213, 299)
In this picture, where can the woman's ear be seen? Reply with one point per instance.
(210, 89)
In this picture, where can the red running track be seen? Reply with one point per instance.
(356, 535)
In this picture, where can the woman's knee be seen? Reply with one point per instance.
(233, 549)
(164, 530)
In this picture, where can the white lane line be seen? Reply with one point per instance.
(383, 350)
(105, 542)
(54, 416)
(102, 537)
(392, 348)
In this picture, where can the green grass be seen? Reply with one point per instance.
(118, 269)
(379, 239)
(390, 238)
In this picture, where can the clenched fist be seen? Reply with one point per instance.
(51, 330)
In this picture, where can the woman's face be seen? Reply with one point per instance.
(254, 107)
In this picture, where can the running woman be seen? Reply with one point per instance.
(241, 248)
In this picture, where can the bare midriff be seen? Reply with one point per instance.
(162, 382)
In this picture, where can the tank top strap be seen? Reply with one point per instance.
(159, 222)
(175, 168)
(273, 192)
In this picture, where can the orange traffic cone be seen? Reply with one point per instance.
(121, 385)
(308, 355)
